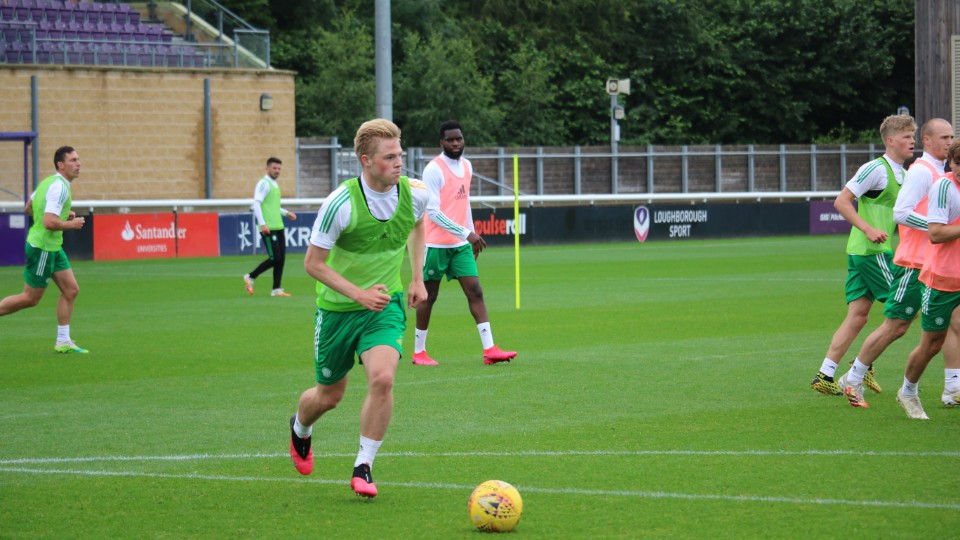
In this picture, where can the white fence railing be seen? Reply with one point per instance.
(194, 205)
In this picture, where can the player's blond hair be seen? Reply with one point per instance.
(895, 124)
(371, 133)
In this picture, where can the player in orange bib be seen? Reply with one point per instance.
(452, 244)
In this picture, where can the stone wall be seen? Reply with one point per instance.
(140, 132)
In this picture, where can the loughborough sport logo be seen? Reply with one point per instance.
(641, 223)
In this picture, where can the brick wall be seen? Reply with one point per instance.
(140, 132)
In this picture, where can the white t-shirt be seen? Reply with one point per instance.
(382, 206)
(916, 186)
(54, 198)
(944, 204)
(872, 176)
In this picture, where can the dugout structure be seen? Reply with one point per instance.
(27, 138)
(13, 226)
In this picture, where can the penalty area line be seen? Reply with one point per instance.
(522, 488)
(521, 453)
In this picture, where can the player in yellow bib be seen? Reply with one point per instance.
(269, 216)
(355, 254)
(49, 206)
(870, 268)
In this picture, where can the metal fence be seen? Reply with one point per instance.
(322, 164)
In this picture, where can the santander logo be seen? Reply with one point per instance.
(127, 233)
(641, 223)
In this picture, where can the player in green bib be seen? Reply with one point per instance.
(269, 216)
(870, 268)
(356, 252)
(49, 206)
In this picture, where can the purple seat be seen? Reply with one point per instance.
(49, 30)
(101, 54)
(69, 31)
(148, 57)
(24, 52)
(116, 32)
(58, 29)
(49, 53)
(154, 32)
(109, 13)
(7, 13)
(85, 13)
(74, 53)
(85, 30)
(131, 55)
(116, 56)
(89, 53)
(68, 13)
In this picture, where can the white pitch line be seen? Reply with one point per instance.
(525, 489)
(528, 453)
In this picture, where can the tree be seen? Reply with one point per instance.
(336, 92)
(531, 71)
(438, 80)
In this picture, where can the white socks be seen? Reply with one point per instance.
(486, 335)
(857, 372)
(419, 341)
(486, 338)
(828, 367)
(63, 333)
(909, 388)
(368, 451)
(951, 380)
(301, 430)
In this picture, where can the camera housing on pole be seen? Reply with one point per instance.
(615, 87)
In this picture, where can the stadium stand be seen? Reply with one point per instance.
(88, 33)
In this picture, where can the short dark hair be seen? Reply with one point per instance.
(60, 156)
(449, 125)
(271, 160)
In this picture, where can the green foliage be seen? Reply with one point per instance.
(439, 79)
(528, 96)
(731, 71)
(336, 78)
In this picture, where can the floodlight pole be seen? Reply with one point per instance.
(382, 59)
(614, 138)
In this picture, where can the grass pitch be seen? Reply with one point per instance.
(661, 391)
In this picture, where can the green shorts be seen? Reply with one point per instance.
(42, 265)
(342, 335)
(904, 299)
(870, 276)
(454, 262)
(937, 308)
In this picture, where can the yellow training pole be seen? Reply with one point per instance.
(516, 224)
